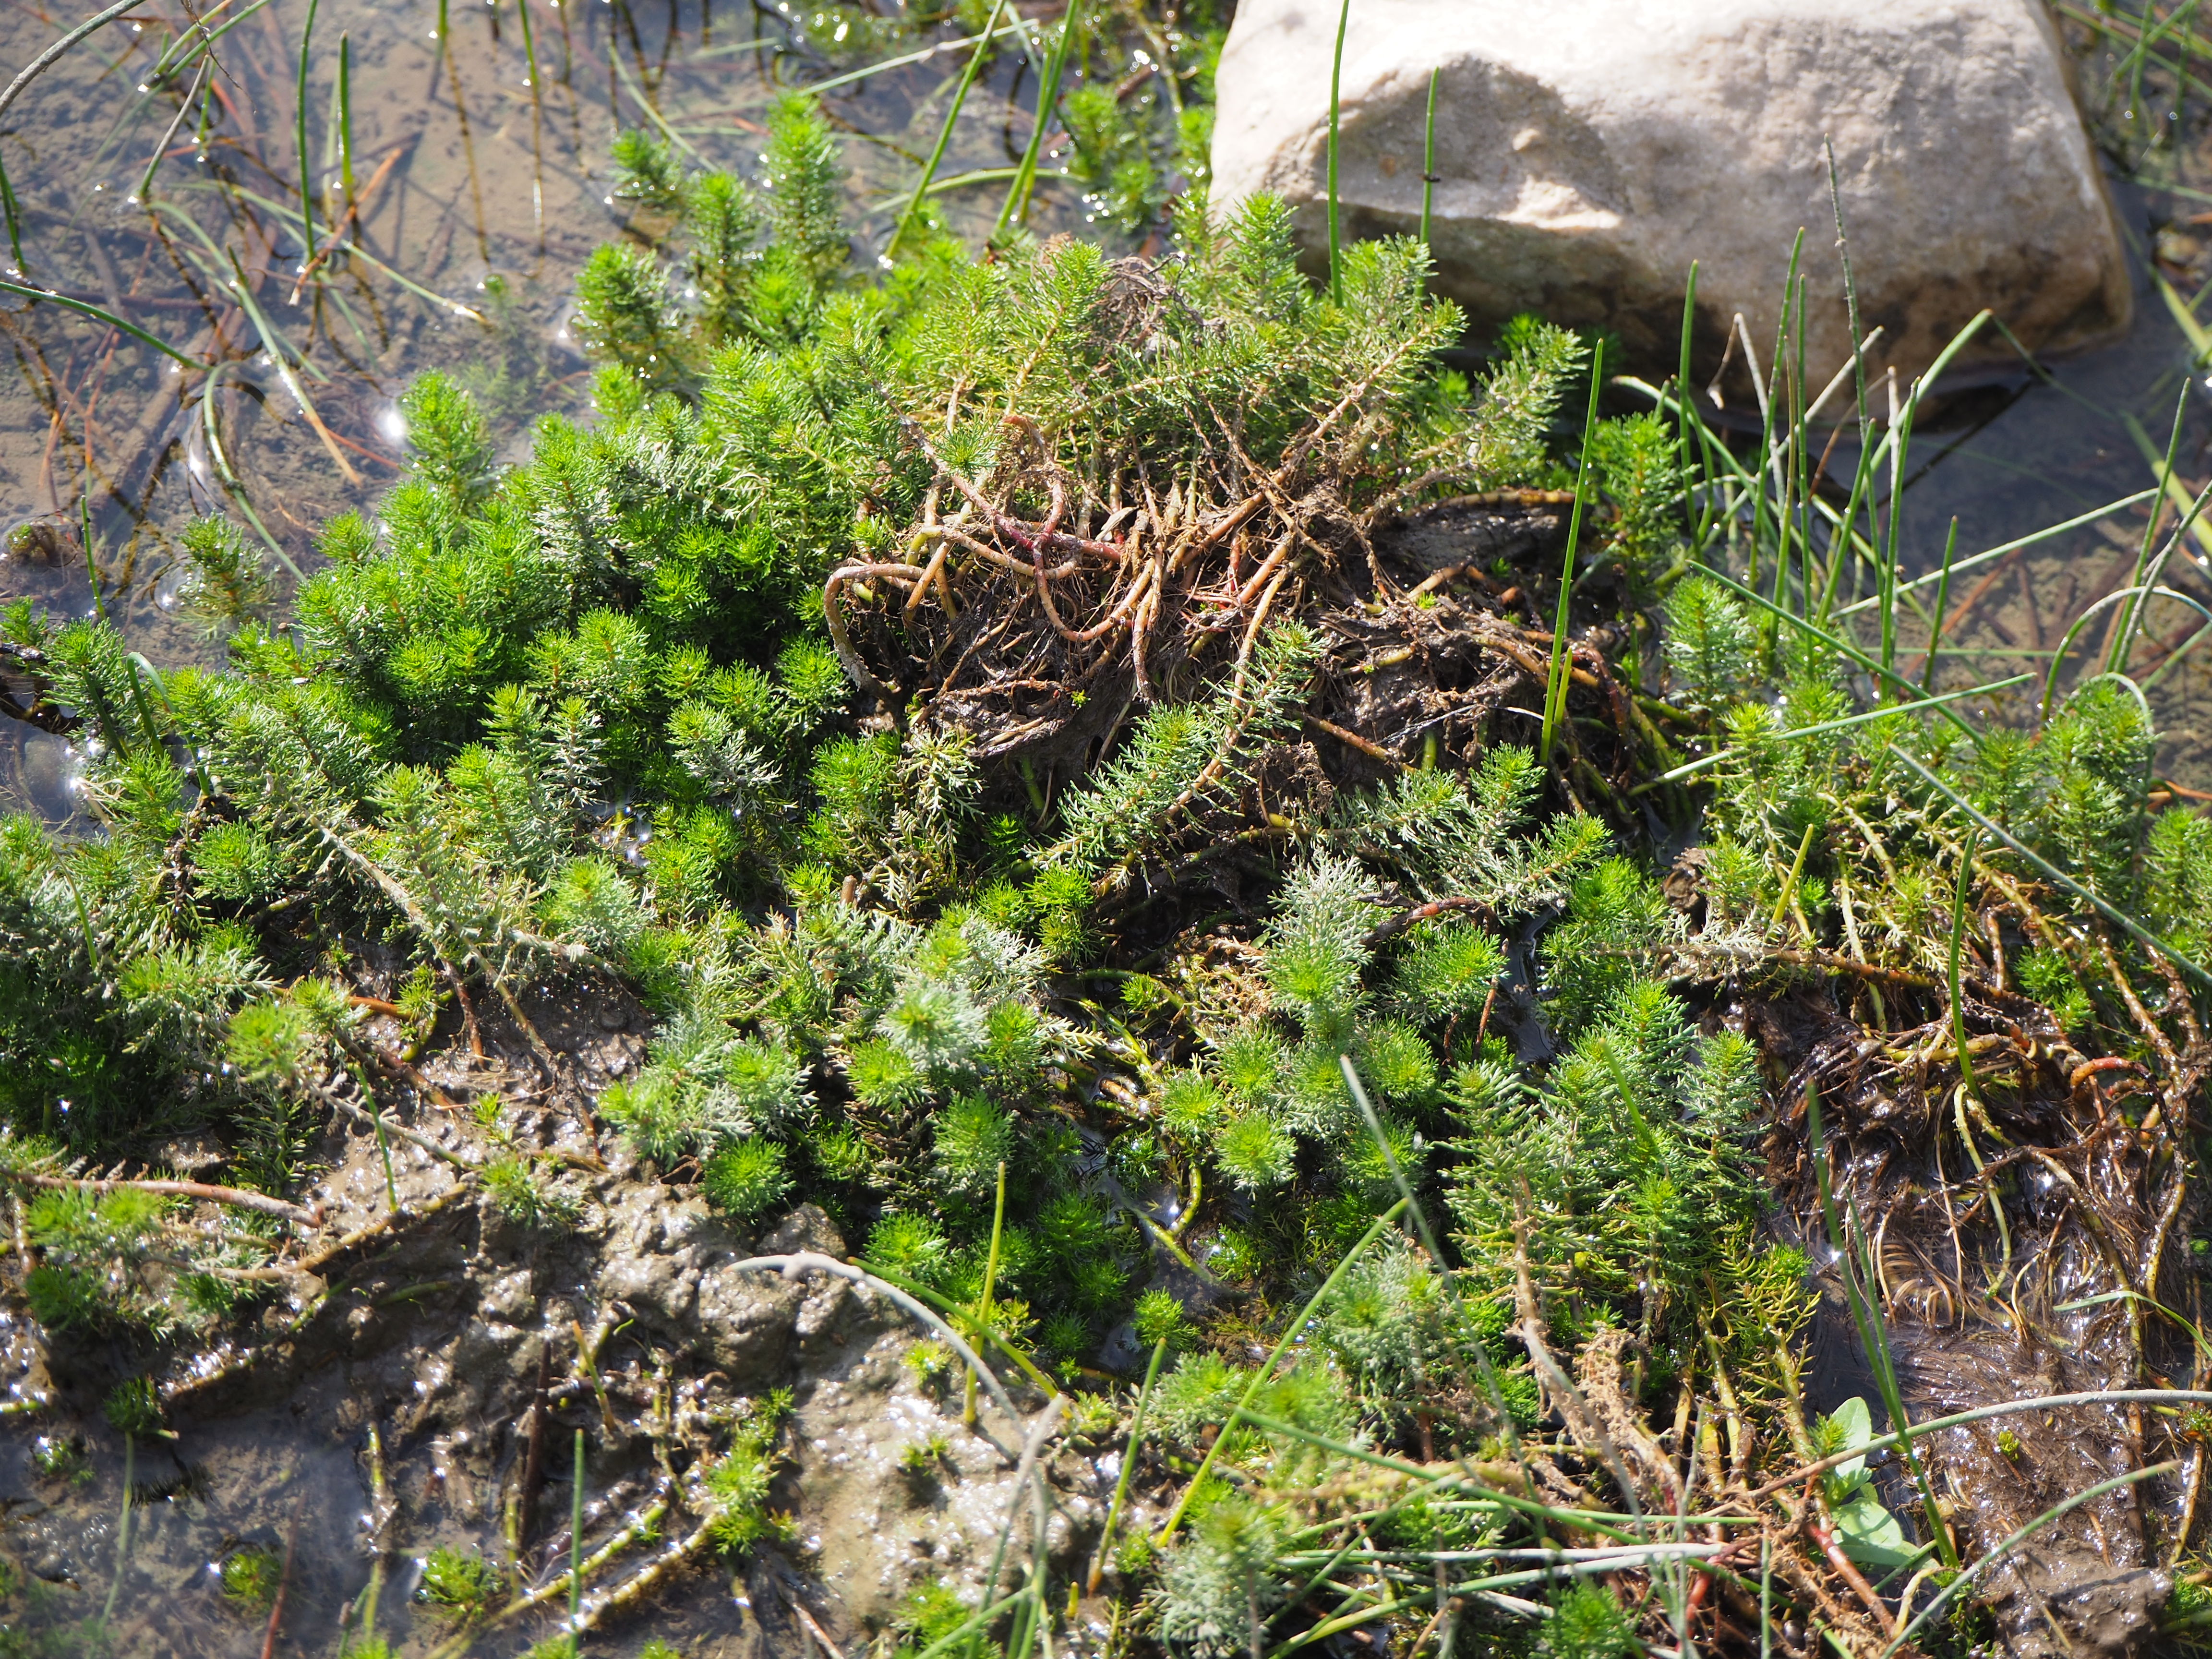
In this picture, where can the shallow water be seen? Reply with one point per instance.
(478, 191)
(2023, 452)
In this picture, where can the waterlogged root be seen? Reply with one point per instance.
(234, 1197)
(275, 1343)
(1041, 604)
(642, 1526)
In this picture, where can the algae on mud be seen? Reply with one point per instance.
(1018, 727)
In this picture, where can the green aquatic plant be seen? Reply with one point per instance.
(1043, 982)
(739, 1484)
(61, 1457)
(525, 1197)
(249, 1577)
(747, 1179)
(459, 1584)
(1159, 1318)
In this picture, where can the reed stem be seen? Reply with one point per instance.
(576, 1554)
(1128, 1465)
(1942, 603)
(1866, 1314)
(123, 1524)
(345, 123)
(1291, 1335)
(1018, 195)
(982, 1308)
(14, 226)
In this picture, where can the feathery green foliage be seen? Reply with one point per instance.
(621, 715)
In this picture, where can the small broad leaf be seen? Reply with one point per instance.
(1870, 1535)
(1849, 1427)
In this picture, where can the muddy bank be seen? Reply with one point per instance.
(2020, 1237)
(422, 1391)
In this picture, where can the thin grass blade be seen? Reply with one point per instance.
(1429, 163)
(944, 133)
(1555, 688)
(1048, 105)
(1335, 93)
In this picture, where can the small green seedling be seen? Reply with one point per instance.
(1159, 1318)
(61, 1457)
(459, 1581)
(932, 1364)
(924, 1464)
(250, 1576)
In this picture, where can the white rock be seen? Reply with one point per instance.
(1587, 150)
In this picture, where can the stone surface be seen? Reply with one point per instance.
(1587, 150)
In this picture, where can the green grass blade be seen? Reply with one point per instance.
(2122, 596)
(345, 118)
(2046, 1402)
(2111, 912)
(161, 149)
(944, 134)
(2164, 474)
(1492, 1388)
(1382, 1222)
(84, 535)
(2148, 579)
(869, 72)
(1833, 642)
(2199, 337)
(529, 46)
(1837, 547)
(576, 1552)
(1964, 1581)
(122, 1525)
(1555, 688)
(1942, 603)
(1136, 1447)
(1335, 89)
(1682, 415)
(1692, 768)
(14, 220)
(1958, 950)
(1611, 1523)
(99, 314)
(45, 59)
(1901, 437)
(2151, 680)
(621, 72)
(2050, 533)
(974, 1626)
(1866, 1314)
(1017, 197)
(1769, 398)
(1429, 162)
(299, 114)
